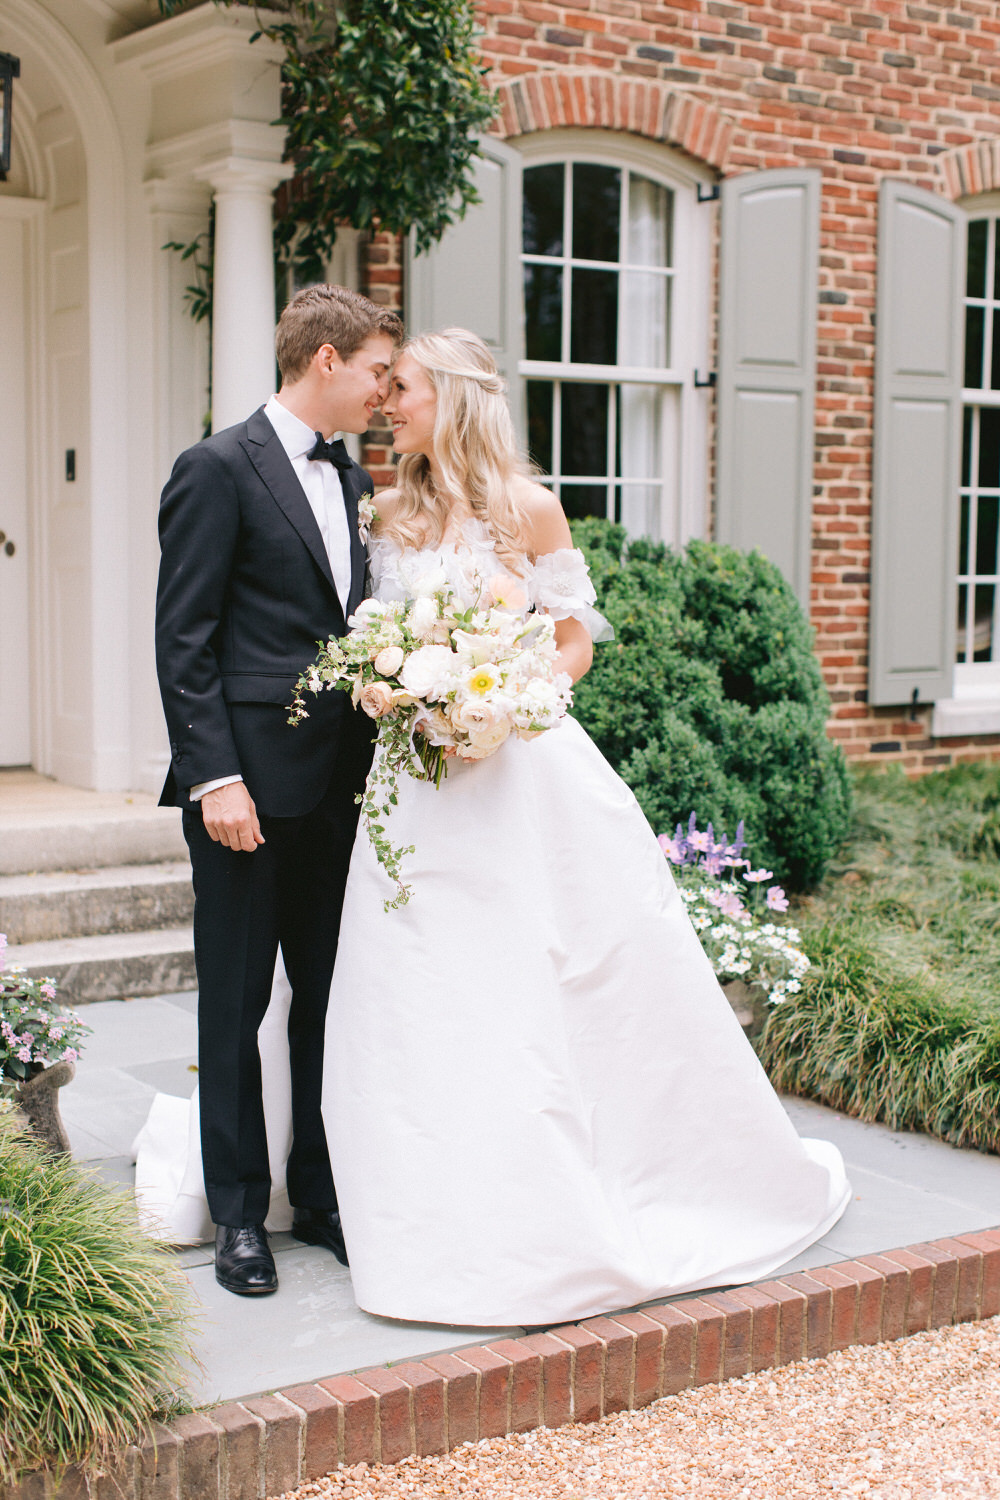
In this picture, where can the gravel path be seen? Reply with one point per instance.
(898, 1421)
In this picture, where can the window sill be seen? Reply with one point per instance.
(961, 716)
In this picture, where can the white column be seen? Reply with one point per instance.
(243, 288)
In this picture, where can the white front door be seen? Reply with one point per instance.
(15, 677)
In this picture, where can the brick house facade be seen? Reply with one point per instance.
(906, 91)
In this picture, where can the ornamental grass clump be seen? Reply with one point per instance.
(710, 697)
(898, 1020)
(93, 1315)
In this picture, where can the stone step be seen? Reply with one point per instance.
(119, 898)
(112, 966)
(85, 840)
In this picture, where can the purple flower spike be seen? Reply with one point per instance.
(692, 824)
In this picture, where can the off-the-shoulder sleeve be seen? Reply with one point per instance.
(560, 584)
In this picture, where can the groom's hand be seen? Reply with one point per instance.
(231, 818)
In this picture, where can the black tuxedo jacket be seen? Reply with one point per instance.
(245, 593)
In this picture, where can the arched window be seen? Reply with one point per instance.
(615, 258)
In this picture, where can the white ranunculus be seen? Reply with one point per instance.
(427, 671)
(423, 617)
(492, 738)
(389, 660)
(477, 716)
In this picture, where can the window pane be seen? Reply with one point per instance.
(645, 335)
(974, 347)
(542, 224)
(540, 424)
(584, 429)
(637, 508)
(596, 211)
(638, 431)
(649, 206)
(579, 500)
(995, 377)
(982, 628)
(594, 318)
(986, 534)
(966, 444)
(961, 644)
(975, 279)
(989, 449)
(543, 311)
(963, 536)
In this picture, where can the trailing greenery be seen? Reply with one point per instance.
(381, 100)
(92, 1315)
(899, 1020)
(710, 698)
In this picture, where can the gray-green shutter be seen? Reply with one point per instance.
(769, 253)
(472, 277)
(918, 416)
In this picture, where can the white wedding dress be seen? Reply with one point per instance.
(538, 1101)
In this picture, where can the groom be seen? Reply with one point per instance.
(261, 559)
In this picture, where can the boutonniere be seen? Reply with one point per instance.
(366, 516)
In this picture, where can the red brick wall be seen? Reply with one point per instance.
(859, 92)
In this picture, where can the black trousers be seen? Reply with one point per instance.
(289, 891)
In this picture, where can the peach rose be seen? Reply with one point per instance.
(376, 699)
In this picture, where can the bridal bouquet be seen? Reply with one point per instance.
(459, 668)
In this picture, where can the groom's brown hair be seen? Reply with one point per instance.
(327, 314)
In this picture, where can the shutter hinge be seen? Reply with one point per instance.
(914, 701)
(710, 194)
(706, 383)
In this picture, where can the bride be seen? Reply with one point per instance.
(538, 1102)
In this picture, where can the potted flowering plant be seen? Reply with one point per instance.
(39, 1046)
(737, 916)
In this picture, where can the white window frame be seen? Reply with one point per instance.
(684, 435)
(975, 706)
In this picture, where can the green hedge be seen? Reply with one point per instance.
(711, 700)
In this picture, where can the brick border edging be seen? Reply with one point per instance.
(267, 1445)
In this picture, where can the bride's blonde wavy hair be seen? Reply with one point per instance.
(474, 443)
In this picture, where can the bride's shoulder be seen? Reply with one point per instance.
(544, 518)
(386, 502)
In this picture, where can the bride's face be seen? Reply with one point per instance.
(411, 406)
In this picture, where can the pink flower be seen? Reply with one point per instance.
(758, 875)
(776, 899)
(24, 1054)
(698, 841)
(49, 991)
(70, 1055)
(671, 848)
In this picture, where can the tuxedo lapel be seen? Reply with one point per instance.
(353, 484)
(272, 463)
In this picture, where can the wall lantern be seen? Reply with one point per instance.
(10, 68)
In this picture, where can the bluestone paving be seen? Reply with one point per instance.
(907, 1188)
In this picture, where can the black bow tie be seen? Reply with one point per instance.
(334, 453)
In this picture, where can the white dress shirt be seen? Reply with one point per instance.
(320, 480)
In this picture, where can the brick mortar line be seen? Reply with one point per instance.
(267, 1445)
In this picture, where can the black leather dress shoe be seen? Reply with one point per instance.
(320, 1226)
(243, 1260)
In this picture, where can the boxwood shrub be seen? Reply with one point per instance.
(710, 698)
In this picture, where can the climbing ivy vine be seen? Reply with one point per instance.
(381, 101)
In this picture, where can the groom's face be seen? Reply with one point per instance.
(355, 387)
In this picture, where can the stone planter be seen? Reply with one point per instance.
(749, 1005)
(38, 1101)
